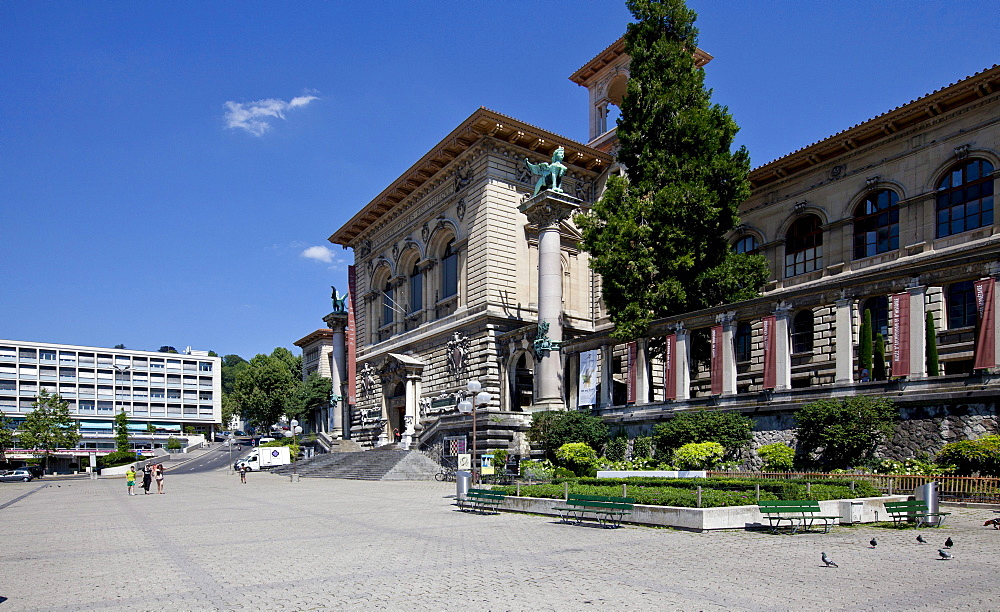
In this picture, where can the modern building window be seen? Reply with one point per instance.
(879, 307)
(746, 244)
(387, 303)
(965, 198)
(804, 246)
(416, 290)
(961, 302)
(802, 332)
(876, 224)
(744, 337)
(449, 271)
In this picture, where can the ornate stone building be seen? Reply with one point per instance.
(893, 216)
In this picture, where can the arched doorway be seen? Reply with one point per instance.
(522, 382)
(396, 412)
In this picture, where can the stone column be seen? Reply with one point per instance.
(547, 210)
(918, 331)
(728, 322)
(641, 372)
(607, 376)
(337, 322)
(845, 341)
(573, 371)
(683, 348)
(782, 348)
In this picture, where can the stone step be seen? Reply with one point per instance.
(391, 464)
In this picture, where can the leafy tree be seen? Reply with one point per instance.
(616, 449)
(310, 394)
(49, 425)
(777, 457)
(844, 433)
(264, 387)
(119, 346)
(579, 457)
(121, 432)
(878, 359)
(6, 434)
(730, 429)
(150, 428)
(971, 457)
(553, 428)
(699, 456)
(642, 448)
(231, 366)
(932, 350)
(865, 344)
(657, 237)
(166, 349)
(173, 443)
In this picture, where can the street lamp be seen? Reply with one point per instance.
(482, 398)
(293, 429)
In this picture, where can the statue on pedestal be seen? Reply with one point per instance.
(339, 301)
(549, 174)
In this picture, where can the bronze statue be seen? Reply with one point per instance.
(339, 301)
(549, 174)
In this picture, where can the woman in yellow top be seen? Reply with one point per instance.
(130, 480)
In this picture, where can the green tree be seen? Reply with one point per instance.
(844, 433)
(878, 359)
(6, 435)
(865, 344)
(579, 457)
(777, 457)
(264, 387)
(657, 237)
(972, 457)
(699, 456)
(231, 366)
(150, 428)
(49, 425)
(309, 395)
(553, 428)
(121, 432)
(730, 429)
(932, 350)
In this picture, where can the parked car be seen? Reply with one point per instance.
(18, 475)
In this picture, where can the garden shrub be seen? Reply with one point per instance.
(972, 457)
(699, 456)
(616, 449)
(777, 457)
(730, 429)
(537, 470)
(551, 429)
(912, 466)
(115, 459)
(642, 448)
(578, 457)
(173, 443)
(841, 433)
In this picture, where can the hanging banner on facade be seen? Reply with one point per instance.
(900, 334)
(985, 356)
(716, 363)
(630, 381)
(587, 395)
(770, 353)
(352, 337)
(670, 367)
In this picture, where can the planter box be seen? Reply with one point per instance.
(702, 519)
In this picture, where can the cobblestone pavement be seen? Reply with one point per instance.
(211, 543)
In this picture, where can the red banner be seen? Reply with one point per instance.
(630, 385)
(352, 339)
(670, 367)
(716, 367)
(900, 334)
(770, 354)
(985, 356)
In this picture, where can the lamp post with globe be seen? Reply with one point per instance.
(293, 430)
(466, 406)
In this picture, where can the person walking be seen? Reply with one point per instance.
(243, 474)
(147, 478)
(159, 478)
(130, 480)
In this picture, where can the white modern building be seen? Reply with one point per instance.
(169, 391)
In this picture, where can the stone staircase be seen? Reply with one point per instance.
(383, 463)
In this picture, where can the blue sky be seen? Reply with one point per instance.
(168, 170)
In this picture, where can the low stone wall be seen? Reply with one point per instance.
(704, 519)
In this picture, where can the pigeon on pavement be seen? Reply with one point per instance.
(873, 542)
(945, 554)
(921, 539)
(949, 542)
(829, 562)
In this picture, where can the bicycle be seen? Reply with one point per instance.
(447, 474)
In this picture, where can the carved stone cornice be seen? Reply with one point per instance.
(549, 208)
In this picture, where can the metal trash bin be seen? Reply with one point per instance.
(850, 511)
(928, 493)
(463, 478)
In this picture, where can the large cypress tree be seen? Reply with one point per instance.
(657, 236)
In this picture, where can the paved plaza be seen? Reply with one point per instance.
(211, 543)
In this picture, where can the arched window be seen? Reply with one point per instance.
(879, 307)
(965, 198)
(961, 302)
(804, 246)
(449, 271)
(746, 243)
(744, 336)
(388, 304)
(802, 332)
(416, 289)
(876, 224)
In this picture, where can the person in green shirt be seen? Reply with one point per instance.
(130, 480)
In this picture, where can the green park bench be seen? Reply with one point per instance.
(912, 510)
(608, 511)
(797, 513)
(481, 500)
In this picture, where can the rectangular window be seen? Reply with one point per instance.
(416, 292)
(449, 275)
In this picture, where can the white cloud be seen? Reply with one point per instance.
(319, 253)
(255, 117)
